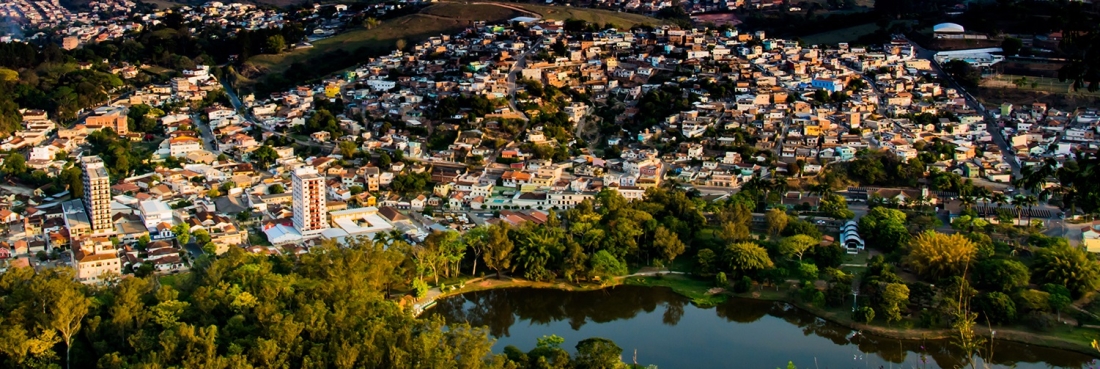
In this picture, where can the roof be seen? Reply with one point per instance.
(948, 28)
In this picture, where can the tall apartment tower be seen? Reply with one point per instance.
(309, 201)
(97, 195)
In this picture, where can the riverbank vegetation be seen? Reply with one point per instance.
(325, 309)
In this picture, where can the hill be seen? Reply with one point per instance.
(349, 48)
(600, 16)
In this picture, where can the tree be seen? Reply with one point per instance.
(182, 232)
(746, 257)
(1002, 275)
(706, 261)
(934, 255)
(67, 309)
(997, 307)
(498, 252)
(276, 189)
(606, 266)
(264, 156)
(668, 244)
(864, 314)
(1012, 45)
(14, 165)
(1066, 266)
(598, 353)
(371, 22)
(276, 44)
(894, 298)
(420, 287)
(796, 246)
(400, 44)
(348, 149)
(963, 73)
(884, 228)
(776, 221)
(836, 207)
(384, 160)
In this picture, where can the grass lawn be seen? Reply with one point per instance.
(619, 19)
(1035, 84)
(471, 11)
(160, 71)
(163, 4)
(169, 279)
(695, 289)
(841, 35)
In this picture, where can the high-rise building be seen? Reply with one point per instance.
(97, 195)
(309, 201)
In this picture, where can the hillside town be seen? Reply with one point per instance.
(274, 173)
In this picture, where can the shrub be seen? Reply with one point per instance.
(743, 285)
(720, 279)
(864, 314)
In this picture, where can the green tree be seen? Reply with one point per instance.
(264, 156)
(598, 353)
(276, 44)
(1002, 275)
(836, 207)
(421, 288)
(607, 266)
(498, 248)
(997, 307)
(348, 149)
(936, 255)
(747, 257)
(864, 314)
(67, 309)
(14, 165)
(1066, 266)
(895, 296)
(182, 232)
(796, 246)
(668, 244)
(776, 221)
(275, 189)
(884, 228)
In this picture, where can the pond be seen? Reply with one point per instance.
(670, 332)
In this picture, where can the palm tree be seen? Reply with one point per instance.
(1018, 203)
(371, 22)
(1029, 201)
(999, 199)
(821, 189)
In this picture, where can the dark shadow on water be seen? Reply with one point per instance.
(505, 309)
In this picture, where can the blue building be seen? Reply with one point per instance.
(827, 84)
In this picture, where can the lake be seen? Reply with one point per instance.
(670, 332)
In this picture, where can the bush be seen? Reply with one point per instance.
(743, 285)
(720, 280)
(864, 314)
(819, 299)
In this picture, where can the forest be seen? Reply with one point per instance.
(325, 309)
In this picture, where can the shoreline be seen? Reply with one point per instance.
(908, 334)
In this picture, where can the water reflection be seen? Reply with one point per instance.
(658, 318)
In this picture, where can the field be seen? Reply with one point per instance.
(619, 19)
(849, 34)
(164, 4)
(411, 28)
(471, 11)
(1056, 94)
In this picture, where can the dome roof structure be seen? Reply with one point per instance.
(948, 28)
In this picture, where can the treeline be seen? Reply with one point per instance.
(325, 309)
(968, 276)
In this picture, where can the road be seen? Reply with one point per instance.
(521, 61)
(238, 106)
(208, 138)
(991, 124)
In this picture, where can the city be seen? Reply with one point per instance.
(190, 185)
